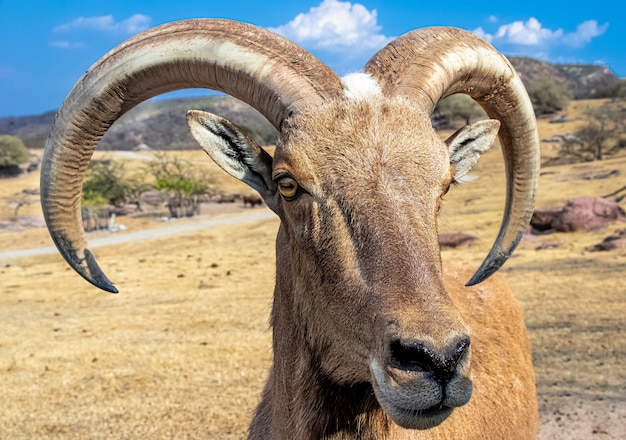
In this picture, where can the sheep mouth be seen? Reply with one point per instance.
(404, 414)
(419, 418)
(418, 402)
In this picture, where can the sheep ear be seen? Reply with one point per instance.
(234, 151)
(468, 143)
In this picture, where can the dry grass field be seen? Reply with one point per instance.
(183, 350)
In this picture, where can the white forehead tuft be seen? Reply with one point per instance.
(360, 86)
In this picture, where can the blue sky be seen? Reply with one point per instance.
(45, 46)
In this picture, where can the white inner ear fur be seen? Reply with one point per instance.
(234, 151)
(468, 143)
(203, 126)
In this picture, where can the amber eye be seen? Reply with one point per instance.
(288, 187)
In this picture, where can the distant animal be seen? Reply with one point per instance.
(373, 338)
(252, 200)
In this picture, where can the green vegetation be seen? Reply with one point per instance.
(181, 181)
(108, 183)
(13, 153)
(549, 96)
(611, 88)
(603, 134)
(586, 81)
(461, 107)
(620, 89)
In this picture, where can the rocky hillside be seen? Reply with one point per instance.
(31, 129)
(156, 124)
(160, 124)
(586, 81)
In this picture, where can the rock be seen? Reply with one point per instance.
(456, 239)
(579, 214)
(612, 242)
(588, 214)
(601, 174)
(543, 219)
(548, 245)
(153, 198)
(126, 209)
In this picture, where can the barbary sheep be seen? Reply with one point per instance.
(252, 200)
(372, 337)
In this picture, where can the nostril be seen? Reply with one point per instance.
(412, 356)
(417, 357)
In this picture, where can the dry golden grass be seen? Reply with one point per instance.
(574, 301)
(78, 363)
(183, 350)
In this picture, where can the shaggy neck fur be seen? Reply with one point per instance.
(299, 400)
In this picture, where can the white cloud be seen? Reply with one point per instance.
(106, 23)
(585, 32)
(532, 33)
(336, 26)
(66, 44)
(529, 33)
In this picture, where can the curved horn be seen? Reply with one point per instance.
(252, 64)
(432, 63)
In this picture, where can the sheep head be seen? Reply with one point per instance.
(358, 184)
(357, 180)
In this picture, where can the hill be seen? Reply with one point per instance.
(160, 123)
(586, 81)
(31, 129)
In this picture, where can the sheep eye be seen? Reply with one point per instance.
(288, 188)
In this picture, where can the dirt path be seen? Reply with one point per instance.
(164, 231)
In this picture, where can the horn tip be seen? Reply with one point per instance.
(492, 263)
(478, 278)
(97, 276)
(498, 255)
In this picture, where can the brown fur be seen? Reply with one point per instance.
(370, 334)
(359, 252)
(503, 405)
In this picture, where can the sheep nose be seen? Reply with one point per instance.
(414, 356)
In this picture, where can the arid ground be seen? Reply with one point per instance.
(182, 352)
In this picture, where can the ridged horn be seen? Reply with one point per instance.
(432, 63)
(254, 65)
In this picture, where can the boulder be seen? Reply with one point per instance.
(455, 240)
(588, 214)
(543, 219)
(153, 199)
(579, 214)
